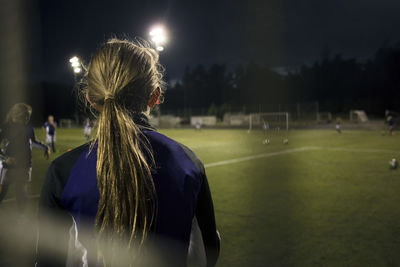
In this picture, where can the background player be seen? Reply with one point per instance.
(338, 125)
(50, 125)
(265, 130)
(197, 125)
(17, 137)
(87, 130)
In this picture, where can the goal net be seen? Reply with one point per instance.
(271, 121)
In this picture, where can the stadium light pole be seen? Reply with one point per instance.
(158, 37)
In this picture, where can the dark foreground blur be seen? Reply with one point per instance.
(17, 235)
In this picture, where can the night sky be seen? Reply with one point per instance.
(279, 34)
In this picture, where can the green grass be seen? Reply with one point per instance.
(334, 205)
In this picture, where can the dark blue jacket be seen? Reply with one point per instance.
(50, 129)
(70, 195)
(18, 140)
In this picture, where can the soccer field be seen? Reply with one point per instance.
(324, 199)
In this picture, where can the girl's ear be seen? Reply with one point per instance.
(94, 105)
(154, 98)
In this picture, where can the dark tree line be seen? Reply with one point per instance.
(338, 84)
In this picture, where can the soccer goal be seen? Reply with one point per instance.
(65, 123)
(269, 121)
(358, 116)
(324, 117)
(274, 125)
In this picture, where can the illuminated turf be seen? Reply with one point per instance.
(323, 199)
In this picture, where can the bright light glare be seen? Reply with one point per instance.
(75, 64)
(77, 70)
(74, 59)
(156, 31)
(158, 39)
(158, 36)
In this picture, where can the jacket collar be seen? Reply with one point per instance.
(142, 121)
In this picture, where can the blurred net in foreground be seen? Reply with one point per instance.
(61, 245)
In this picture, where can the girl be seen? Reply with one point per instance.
(136, 192)
(87, 130)
(50, 127)
(16, 138)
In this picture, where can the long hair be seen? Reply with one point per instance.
(121, 77)
(19, 113)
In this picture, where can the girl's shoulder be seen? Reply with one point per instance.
(168, 148)
(66, 161)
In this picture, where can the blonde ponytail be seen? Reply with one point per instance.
(121, 77)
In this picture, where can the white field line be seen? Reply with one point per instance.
(288, 151)
(360, 150)
(258, 156)
(271, 154)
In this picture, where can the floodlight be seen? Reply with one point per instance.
(158, 37)
(75, 64)
(77, 70)
(74, 59)
(158, 30)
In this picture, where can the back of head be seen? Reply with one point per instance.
(19, 113)
(121, 77)
(125, 72)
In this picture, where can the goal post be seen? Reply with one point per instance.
(272, 120)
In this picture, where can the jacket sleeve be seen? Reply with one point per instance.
(2, 146)
(206, 221)
(54, 222)
(2, 155)
(204, 214)
(36, 143)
